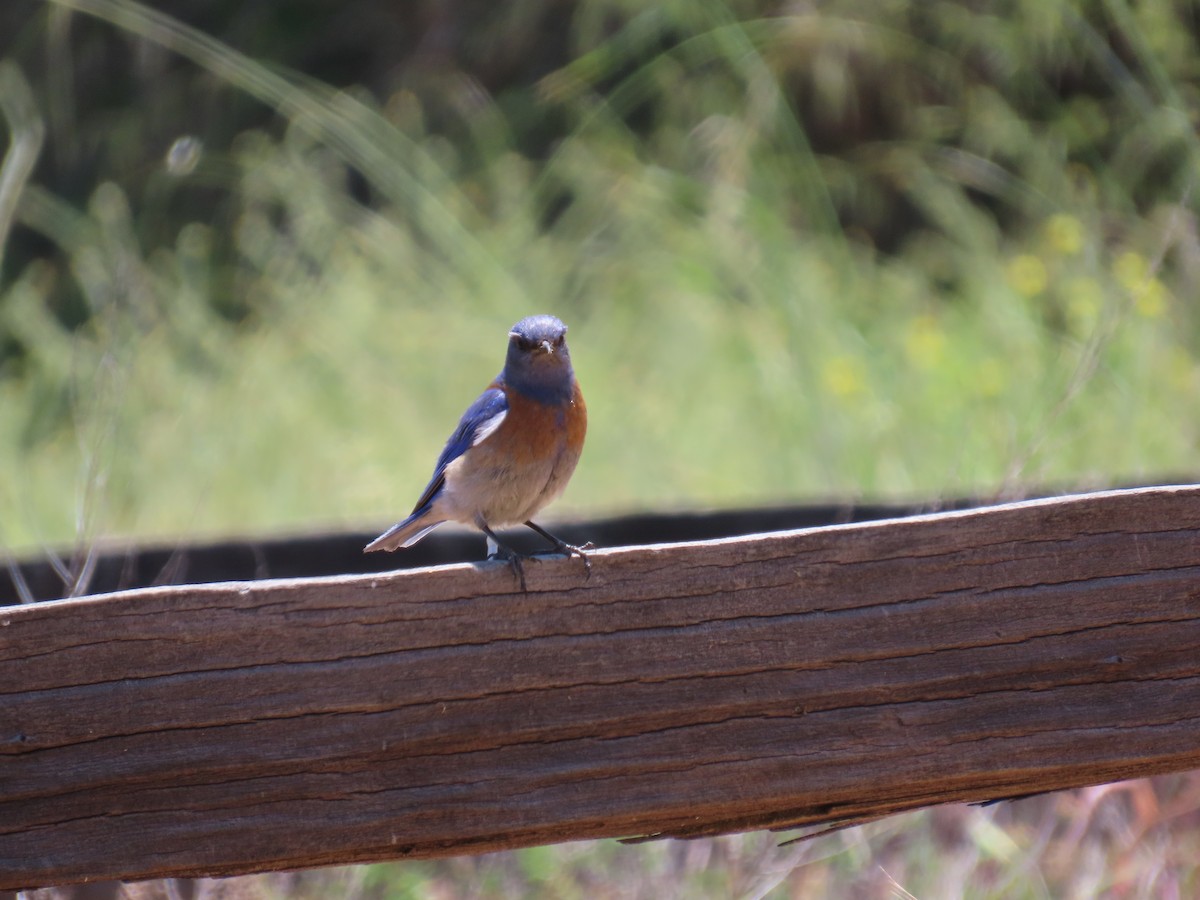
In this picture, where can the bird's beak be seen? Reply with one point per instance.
(547, 346)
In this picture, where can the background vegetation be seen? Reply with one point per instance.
(254, 266)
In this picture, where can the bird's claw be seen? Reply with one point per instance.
(569, 550)
(514, 561)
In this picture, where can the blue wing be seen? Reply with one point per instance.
(481, 419)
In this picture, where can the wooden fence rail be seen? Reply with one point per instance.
(793, 678)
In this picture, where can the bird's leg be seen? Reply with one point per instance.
(497, 549)
(563, 547)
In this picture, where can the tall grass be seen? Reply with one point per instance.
(851, 249)
(737, 345)
(1030, 325)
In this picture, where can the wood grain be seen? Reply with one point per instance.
(782, 679)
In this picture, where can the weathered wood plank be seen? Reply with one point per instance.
(789, 678)
(120, 566)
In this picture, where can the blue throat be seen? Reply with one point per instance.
(556, 389)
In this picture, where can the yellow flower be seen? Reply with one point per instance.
(1064, 234)
(990, 378)
(1181, 369)
(1026, 275)
(925, 342)
(1150, 300)
(844, 376)
(1130, 270)
(1084, 299)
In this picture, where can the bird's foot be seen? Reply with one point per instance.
(569, 550)
(515, 562)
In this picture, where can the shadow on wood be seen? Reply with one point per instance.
(108, 568)
(795, 678)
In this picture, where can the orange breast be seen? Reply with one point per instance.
(522, 466)
(534, 434)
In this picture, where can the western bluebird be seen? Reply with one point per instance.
(513, 450)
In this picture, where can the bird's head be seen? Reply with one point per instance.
(538, 360)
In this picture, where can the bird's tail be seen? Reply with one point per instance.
(406, 533)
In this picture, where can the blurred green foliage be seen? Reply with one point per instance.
(851, 247)
(845, 248)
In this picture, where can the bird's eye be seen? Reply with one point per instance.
(525, 343)
(558, 341)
